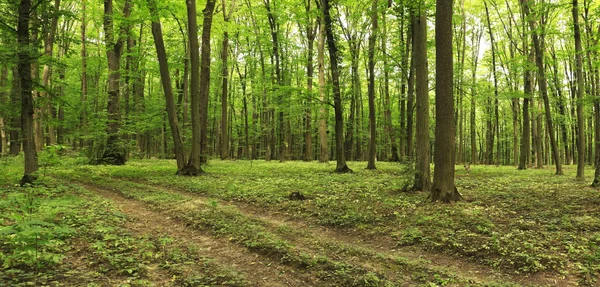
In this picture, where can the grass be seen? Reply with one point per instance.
(520, 222)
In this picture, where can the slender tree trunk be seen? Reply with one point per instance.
(224, 87)
(167, 87)
(422, 168)
(15, 122)
(3, 99)
(386, 91)
(495, 128)
(476, 40)
(205, 77)
(444, 188)
(528, 91)
(539, 56)
(24, 68)
(372, 125)
(410, 97)
(310, 35)
(341, 166)
(580, 87)
(324, 154)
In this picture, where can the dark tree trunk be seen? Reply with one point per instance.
(167, 87)
(341, 166)
(444, 188)
(24, 68)
(115, 152)
(528, 91)
(580, 87)
(15, 121)
(539, 59)
(193, 167)
(371, 64)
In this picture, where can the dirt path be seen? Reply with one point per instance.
(258, 270)
(380, 253)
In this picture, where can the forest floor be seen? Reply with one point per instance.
(140, 225)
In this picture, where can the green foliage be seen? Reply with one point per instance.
(524, 221)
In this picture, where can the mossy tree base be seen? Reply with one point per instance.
(343, 169)
(114, 154)
(27, 179)
(446, 196)
(190, 170)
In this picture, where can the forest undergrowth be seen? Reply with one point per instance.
(513, 228)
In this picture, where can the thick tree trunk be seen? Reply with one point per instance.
(422, 169)
(444, 188)
(341, 166)
(167, 87)
(24, 67)
(371, 64)
(115, 151)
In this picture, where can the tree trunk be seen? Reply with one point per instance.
(539, 59)
(193, 167)
(205, 77)
(224, 86)
(341, 166)
(528, 91)
(422, 168)
(15, 122)
(580, 87)
(310, 35)
(444, 188)
(115, 152)
(167, 87)
(324, 154)
(24, 67)
(410, 97)
(372, 125)
(3, 99)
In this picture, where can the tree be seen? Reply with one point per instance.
(372, 127)
(25, 84)
(167, 87)
(444, 188)
(224, 75)
(341, 166)
(115, 151)
(580, 87)
(539, 59)
(422, 169)
(324, 150)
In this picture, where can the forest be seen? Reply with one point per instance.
(300, 143)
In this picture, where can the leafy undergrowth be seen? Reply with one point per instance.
(54, 234)
(523, 222)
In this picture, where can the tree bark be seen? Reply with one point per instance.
(115, 152)
(580, 87)
(324, 149)
(15, 121)
(193, 167)
(341, 166)
(167, 87)
(422, 169)
(24, 68)
(371, 91)
(539, 59)
(444, 188)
